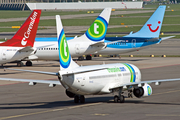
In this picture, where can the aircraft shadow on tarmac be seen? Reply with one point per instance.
(55, 104)
(70, 103)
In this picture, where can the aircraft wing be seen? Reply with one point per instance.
(159, 39)
(139, 84)
(26, 49)
(33, 82)
(69, 72)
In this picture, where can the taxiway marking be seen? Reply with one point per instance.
(163, 115)
(47, 111)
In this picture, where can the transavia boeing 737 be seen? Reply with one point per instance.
(21, 44)
(95, 79)
(148, 35)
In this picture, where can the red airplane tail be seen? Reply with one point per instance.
(26, 34)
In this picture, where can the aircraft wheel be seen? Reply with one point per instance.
(116, 99)
(80, 58)
(76, 99)
(121, 99)
(20, 64)
(28, 63)
(88, 57)
(82, 99)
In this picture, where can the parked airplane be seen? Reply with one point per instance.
(87, 80)
(148, 35)
(21, 44)
(90, 42)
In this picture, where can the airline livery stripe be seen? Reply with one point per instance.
(132, 71)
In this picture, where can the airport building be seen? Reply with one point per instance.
(68, 4)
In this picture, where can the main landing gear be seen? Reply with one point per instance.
(28, 63)
(20, 64)
(119, 98)
(79, 98)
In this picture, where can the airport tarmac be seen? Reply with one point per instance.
(18, 101)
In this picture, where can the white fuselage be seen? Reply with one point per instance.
(100, 81)
(49, 50)
(9, 54)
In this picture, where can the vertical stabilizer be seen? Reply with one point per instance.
(152, 27)
(97, 31)
(65, 59)
(26, 34)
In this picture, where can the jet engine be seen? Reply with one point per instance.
(144, 91)
(70, 94)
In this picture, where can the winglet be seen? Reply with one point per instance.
(65, 59)
(97, 31)
(26, 34)
(165, 38)
(152, 27)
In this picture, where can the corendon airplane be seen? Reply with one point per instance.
(21, 44)
(87, 80)
(90, 42)
(148, 35)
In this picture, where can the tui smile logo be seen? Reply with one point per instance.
(149, 25)
(64, 56)
(97, 30)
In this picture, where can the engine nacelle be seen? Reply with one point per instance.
(144, 91)
(70, 94)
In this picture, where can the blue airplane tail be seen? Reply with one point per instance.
(152, 27)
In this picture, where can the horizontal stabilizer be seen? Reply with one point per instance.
(99, 44)
(50, 82)
(165, 38)
(69, 72)
(152, 40)
(40, 72)
(26, 49)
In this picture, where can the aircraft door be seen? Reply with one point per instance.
(133, 43)
(77, 51)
